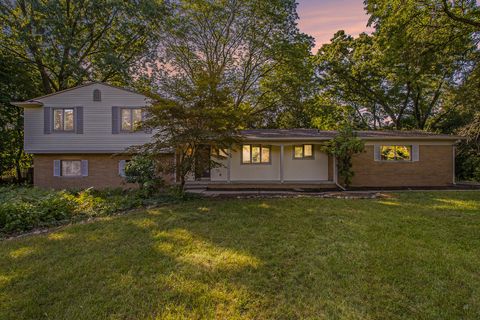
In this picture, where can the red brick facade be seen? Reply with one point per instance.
(434, 169)
(103, 172)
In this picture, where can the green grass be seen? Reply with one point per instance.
(416, 256)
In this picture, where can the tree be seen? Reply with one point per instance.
(343, 147)
(70, 42)
(203, 122)
(235, 45)
(17, 82)
(465, 12)
(468, 164)
(142, 170)
(352, 76)
(213, 62)
(425, 49)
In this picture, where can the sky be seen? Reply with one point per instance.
(322, 18)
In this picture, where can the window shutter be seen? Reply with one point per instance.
(376, 152)
(415, 152)
(47, 120)
(121, 168)
(85, 168)
(145, 115)
(56, 168)
(79, 120)
(115, 120)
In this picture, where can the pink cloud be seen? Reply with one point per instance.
(322, 18)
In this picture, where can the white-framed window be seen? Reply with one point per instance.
(396, 153)
(121, 167)
(256, 154)
(131, 119)
(63, 120)
(71, 168)
(304, 151)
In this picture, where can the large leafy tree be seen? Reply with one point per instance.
(69, 42)
(18, 81)
(401, 74)
(234, 46)
(214, 71)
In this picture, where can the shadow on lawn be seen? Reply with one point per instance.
(247, 259)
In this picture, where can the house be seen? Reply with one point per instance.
(77, 137)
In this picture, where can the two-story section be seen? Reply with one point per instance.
(78, 137)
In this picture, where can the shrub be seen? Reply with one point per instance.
(26, 208)
(143, 171)
(343, 147)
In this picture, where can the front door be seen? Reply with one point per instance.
(202, 164)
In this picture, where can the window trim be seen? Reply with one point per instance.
(303, 157)
(410, 148)
(63, 120)
(70, 160)
(261, 151)
(120, 116)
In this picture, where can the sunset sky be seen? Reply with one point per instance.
(322, 18)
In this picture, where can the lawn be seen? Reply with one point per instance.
(415, 256)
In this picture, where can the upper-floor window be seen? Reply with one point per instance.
(97, 95)
(255, 154)
(71, 168)
(63, 120)
(131, 119)
(304, 151)
(396, 153)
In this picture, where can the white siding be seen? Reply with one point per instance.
(294, 170)
(97, 123)
(306, 169)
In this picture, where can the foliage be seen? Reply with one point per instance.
(343, 147)
(70, 42)
(24, 208)
(17, 82)
(413, 255)
(468, 162)
(142, 169)
(192, 128)
(214, 68)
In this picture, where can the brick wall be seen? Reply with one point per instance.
(102, 172)
(435, 168)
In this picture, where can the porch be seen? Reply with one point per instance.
(266, 165)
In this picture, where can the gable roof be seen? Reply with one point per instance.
(36, 103)
(314, 134)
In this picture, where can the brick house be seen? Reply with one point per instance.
(78, 138)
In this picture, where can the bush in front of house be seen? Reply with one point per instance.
(26, 208)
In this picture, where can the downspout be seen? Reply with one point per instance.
(335, 174)
(454, 155)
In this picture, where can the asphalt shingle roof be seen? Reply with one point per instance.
(325, 135)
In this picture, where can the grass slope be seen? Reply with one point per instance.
(413, 257)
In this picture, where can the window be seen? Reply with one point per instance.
(131, 119)
(396, 153)
(121, 167)
(63, 120)
(71, 168)
(255, 154)
(304, 151)
(97, 95)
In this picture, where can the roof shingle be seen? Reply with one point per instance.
(295, 134)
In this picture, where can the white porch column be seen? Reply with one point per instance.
(229, 164)
(281, 163)
(335, 170)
